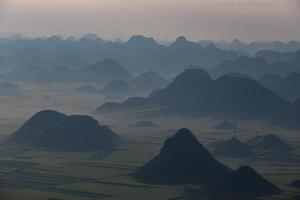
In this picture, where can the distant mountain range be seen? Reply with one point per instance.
(138, 54)
(254, 47)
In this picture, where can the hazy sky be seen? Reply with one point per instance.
(161, 19)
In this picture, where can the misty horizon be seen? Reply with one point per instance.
(123, 40)
(198, 20)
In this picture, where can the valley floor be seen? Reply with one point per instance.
(44, 175)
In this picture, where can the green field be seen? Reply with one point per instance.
(30, 174)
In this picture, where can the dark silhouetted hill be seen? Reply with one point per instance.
(182, 160)
(243, 183)
(52, 130)
(184, 92)
(193, 92)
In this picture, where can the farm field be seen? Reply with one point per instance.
(31, 174)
